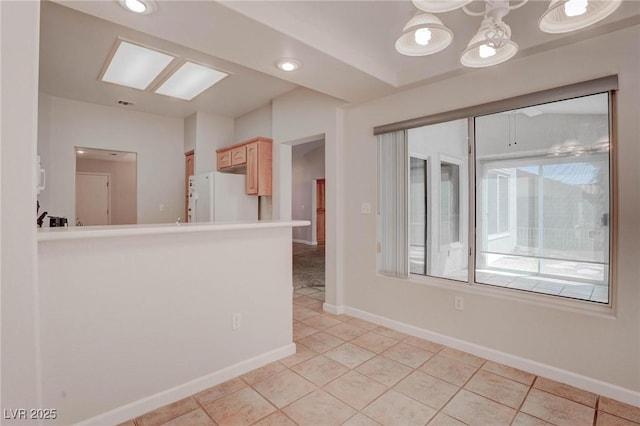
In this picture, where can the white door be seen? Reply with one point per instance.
(92, 199)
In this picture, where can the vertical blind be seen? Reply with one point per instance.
(393, 227)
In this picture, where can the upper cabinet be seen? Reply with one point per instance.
(253, 157)
(224, 159)
(239, 155)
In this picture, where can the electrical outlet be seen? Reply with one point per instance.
(458, 303)
(365, 208)
(162, 207)
(236, 321)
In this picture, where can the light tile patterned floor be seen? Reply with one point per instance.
(351, 372)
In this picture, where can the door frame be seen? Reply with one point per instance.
(108, 175)
(186, 184)
(314, 213)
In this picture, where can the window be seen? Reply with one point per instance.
(541, 182)
(543, 198)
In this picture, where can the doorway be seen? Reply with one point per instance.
(93, 199)
(106, 187)
(308, 203)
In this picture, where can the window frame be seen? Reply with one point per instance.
(605, 85)
(428, 162)
(447, 159)
(610, 268)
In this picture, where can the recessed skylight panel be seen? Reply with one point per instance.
(189, 81)
(135, 66)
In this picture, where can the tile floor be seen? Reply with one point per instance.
(351, 372)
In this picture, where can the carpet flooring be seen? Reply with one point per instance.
(308, 265)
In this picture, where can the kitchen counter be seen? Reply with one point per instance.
(136, 317)
(81, 232)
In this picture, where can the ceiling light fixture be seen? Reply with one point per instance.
(425, 34)
(491, 45)
(439, 6)
(135, 66)
(288, 64)
(189, 81)
(146, 69)
(143, 7)
(570, 15)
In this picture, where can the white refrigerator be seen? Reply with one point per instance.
(220, 197)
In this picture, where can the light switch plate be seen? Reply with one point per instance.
(365, 208)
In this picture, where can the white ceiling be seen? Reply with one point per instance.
(74, 47)
(346, 47)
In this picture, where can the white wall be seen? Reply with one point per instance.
(212, 132)
(157, 140)
(255, 123)
(159, 319)
(306, 166)
(122, 184)
(190, 133)
(304, 114)
(603, 348)
(250, 125)
(19, 315)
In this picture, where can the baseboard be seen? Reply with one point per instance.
(333, 309)
(309, 243)
(609, 390)
(144, 405)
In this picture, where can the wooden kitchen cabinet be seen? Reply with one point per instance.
(239, 155)
(252, 168)
(224, 159)
(254, 158)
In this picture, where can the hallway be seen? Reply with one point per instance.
(308, 265)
